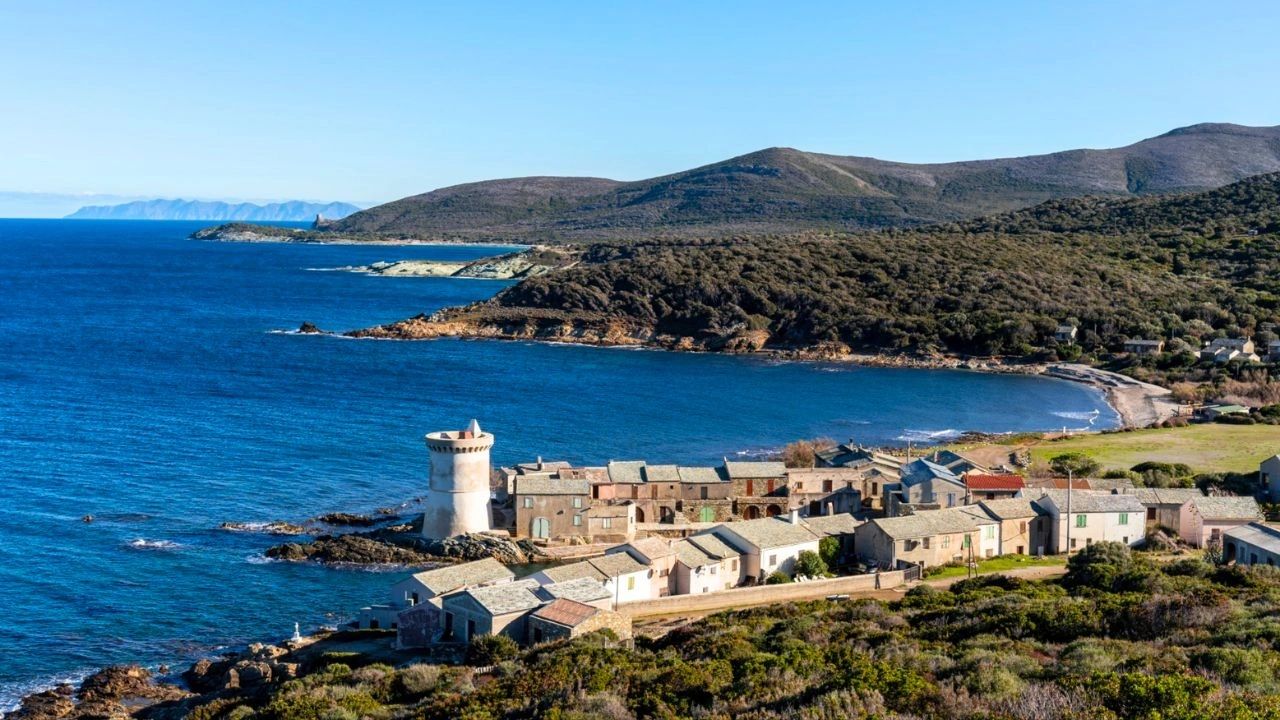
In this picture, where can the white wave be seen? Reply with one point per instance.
(11, 693)
(910, 435)
(145, 544)
(260, 559)
(1092, 417)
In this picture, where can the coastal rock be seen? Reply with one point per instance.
(477, 546)
(352, 549)
(343, 519)
(270, 528)
(114, 692)
(307, 328)
(47, 705)
(391, 548)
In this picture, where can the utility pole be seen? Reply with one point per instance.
(1070, 482)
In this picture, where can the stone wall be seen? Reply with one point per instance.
(760, 595)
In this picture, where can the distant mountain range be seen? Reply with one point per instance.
(291, 211)
(781, 189)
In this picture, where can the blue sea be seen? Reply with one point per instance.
(145, 380)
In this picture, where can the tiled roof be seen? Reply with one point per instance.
(1010, 508)
(451, 577)
(661, 474)
(572, 571)
(928, 523)
(713, 546)
(1226, 507)
(752, 469)
(691, 556)
(828, 525)
(699, 475)
(566, 612)
(582, 589)
(920, 470)
(766, 533)
(995, 482)
(506, 598)
(1092, 501)
(539, 485)
(626, 471)
(617, 564)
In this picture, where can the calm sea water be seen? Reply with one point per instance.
(141, 383)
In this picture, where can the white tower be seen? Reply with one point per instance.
(458, 498)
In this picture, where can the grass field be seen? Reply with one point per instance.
(1001, 564)
(1206, 448)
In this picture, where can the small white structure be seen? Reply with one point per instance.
(458, 497)
(1269, 476)
(767, 545)
(1253, 544)
(704, 563)
(1089, 517)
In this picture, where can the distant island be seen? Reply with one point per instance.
(291, 211)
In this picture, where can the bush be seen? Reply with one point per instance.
(417, 680)
(491, 649)
(1099, 566)
(777, 578)
(829, 551)
(809, 563)
(1075, 463)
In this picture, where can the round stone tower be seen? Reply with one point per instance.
(458, 497)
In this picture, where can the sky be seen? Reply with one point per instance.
(372, 101)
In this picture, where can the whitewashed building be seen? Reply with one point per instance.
(1091, 517)
(768, 545)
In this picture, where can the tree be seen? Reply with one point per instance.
(811, 564)
(777, 577)
(491, 649)
(1076, 464)
(829, 551)
(804, 453)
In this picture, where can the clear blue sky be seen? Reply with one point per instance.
(373, 101)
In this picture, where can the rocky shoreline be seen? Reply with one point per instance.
(533, 262)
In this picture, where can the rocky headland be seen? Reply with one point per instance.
(402, 545)
(533, 262)
(119, 691)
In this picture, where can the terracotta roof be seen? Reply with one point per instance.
(566, 612)
(995, 482)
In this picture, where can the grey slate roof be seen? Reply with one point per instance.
(626, 471)
(1164, 496)
(1088, 501)
(830, 525)
(1263, 535)
(713, 546)
(583, 590)
(1216, 507)
(1010, 508)
(451, 577)
(516, 596)
(661, 474)
(572, 571)
(617, 564)
(766, 533)
(651, 547)
(753, 469)
(928, 523)
(539, 485)
(691, 556)
(920, 470)
(699, 475)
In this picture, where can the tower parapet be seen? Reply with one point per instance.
(458, 496)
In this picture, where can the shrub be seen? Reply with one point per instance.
(1098, 566)
(417, 680)
(829, 551)
(1074, 463)
(777, 577)
(491, 649)
(811, 564)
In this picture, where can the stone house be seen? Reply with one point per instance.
(1065, 333)
(707, 496)
(1164, 505)
(824, 491)
(1256, 543)
(588, 591)
(492, 610)
(626, 579)
(1224, 349)
(1204, 519)
(612, 522)
(1273, 351)
(1093, 516)
(767, 545)
(721, 565)
(1269, 476)
(550, 506)
(924, 484)
(656, 554)
(759, 488)
(1139, 346)
(1024, 527)
(875, 470)
(426, 587)
(562, 619)
(928, 538)
(992, 487)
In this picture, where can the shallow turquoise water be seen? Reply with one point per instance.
(141, 382)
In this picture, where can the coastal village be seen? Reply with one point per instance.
(636, 539)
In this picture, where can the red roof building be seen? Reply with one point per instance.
(993, 487)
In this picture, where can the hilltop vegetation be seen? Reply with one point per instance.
(1185, 267)
(780, 190)
(1118, 637)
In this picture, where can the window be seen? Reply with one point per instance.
(989, 532)
(1022, 528)
(734, 565)
(577, 520)
(964, 544)
(664, 573)
(702, 493)
(946, 541)
(713, 569)
(577, 502)
(414, 600)
(631, 583)
(875, 488)
(1124, 518)
(826, 486)
(773, 560)
(926, 543)
(951, 499)
(606, 523)
(799, 486)
(1073, 543)
(528, 503)
(1082, 521)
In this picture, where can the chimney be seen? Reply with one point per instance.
(794, 517)
(539, 462)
